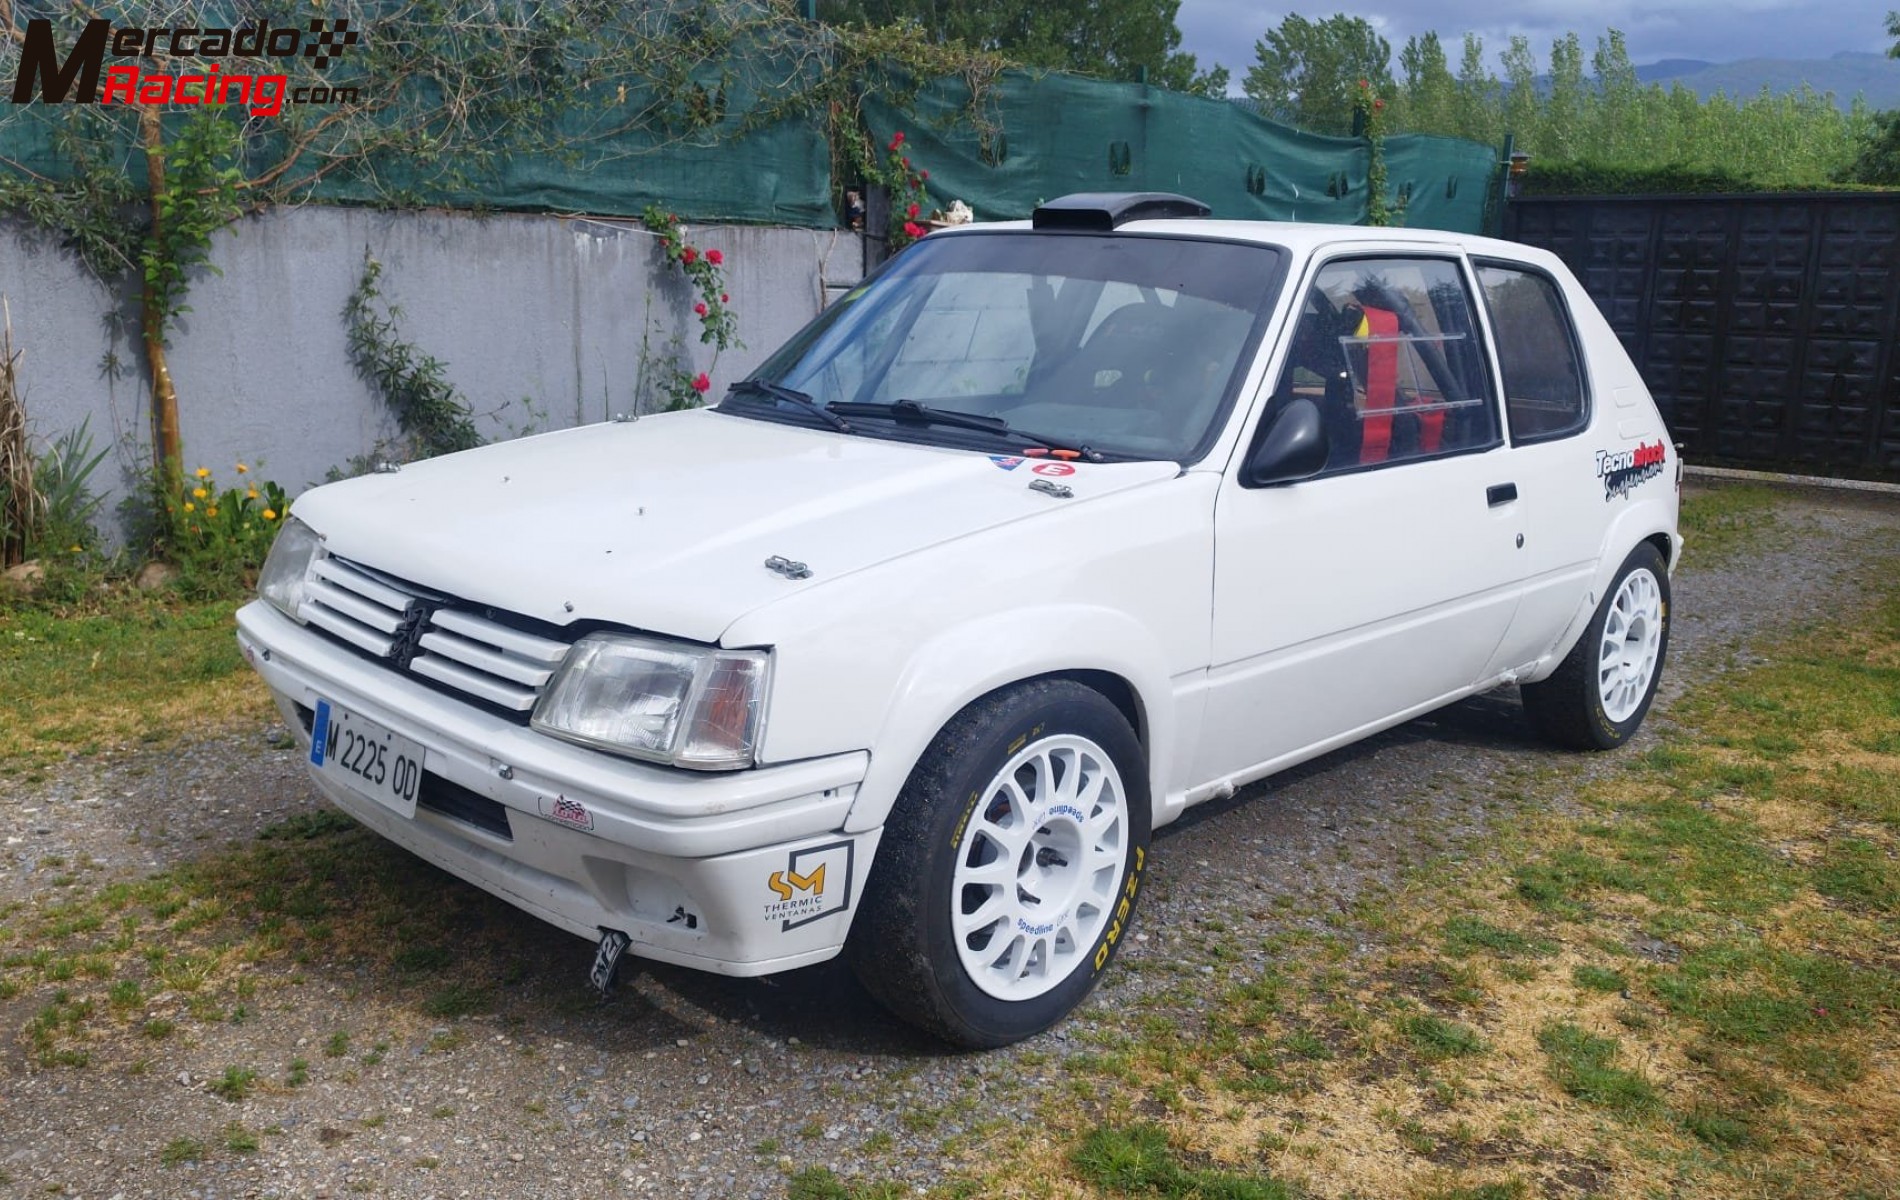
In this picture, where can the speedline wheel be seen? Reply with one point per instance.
(1009, 868)
(1598, 697)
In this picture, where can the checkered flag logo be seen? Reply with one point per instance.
(327, 44)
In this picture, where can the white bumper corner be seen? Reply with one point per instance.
(742, 873)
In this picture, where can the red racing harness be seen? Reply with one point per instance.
(1380, 328)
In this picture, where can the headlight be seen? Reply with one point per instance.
(684, 705)
(281, 580)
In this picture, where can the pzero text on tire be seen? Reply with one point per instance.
(1010, 866)
(1598, 697)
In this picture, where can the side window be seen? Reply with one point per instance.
(1388, 349)
(1544, 395)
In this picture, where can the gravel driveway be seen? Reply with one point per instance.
(694, 1086)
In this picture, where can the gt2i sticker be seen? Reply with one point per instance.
(566, 812)
(815, 883)
(1621, 470)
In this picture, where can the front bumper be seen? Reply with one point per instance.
(744, 873)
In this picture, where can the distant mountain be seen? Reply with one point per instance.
(1671, 68)
(1847, 74)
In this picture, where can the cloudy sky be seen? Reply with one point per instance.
(1224, 31)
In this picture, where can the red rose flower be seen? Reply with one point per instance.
(689, 256)
(1378, 106)
(714, 257)
(701, 383)
(913, 229)
(897, 139)
(924, 174)
(1363, 85)
(906, 162)
(699, 310)
(724, 299)
(911, 211)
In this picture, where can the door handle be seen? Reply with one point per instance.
(1500, 493)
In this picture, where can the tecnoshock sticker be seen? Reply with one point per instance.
(1621, 470)
(815, 883)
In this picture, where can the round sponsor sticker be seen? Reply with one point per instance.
(1053, 468)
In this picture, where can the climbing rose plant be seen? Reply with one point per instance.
(705, 271)
(1380, 208)
(907, 194)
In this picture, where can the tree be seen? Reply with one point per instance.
(1308, 72)
(1566, 114)
(1621, 136)
(1480, 97)
(1521, 107)
(1118, 39)
(1431, 94)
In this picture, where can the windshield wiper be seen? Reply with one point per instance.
(778, 391)
(911, 410)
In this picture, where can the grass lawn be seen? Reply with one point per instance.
(140, 670)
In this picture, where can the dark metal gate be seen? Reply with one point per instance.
(1764, 325)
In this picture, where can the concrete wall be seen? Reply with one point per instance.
(539, 321)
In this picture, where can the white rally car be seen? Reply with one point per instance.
(1047, 532)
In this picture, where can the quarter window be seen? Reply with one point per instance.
(1544, 395)
(1387, 348)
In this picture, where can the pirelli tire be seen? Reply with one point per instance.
(1010, 866)
(1597, 698)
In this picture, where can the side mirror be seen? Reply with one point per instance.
(1292, 447)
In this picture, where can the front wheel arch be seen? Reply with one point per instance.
(1104, 649)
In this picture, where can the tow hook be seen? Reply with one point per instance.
(613, 944)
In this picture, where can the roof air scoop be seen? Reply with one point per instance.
(1100, 212)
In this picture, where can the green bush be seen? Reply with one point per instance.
(1674, 179)
(218, 539)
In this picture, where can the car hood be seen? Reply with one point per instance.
(665, 524)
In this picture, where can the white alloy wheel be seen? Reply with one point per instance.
(1038, 866)
(1631, 646)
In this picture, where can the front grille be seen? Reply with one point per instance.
(486, 658)
(423, 632)
(365, 608)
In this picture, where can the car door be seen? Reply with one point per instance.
(1548, 409)
(1384, 584)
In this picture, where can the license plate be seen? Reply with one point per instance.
(366, 758)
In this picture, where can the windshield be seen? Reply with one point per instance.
(1129, 345)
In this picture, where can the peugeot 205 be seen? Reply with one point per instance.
(1047, 532)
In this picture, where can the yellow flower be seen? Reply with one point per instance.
(75, 549)
(204, 472)
(190, 507)
(198, 493)
(251, 494)
(270, 514)
(242, 468)
(212, 511)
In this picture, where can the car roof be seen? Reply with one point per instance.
(1301, 237)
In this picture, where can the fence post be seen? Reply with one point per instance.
(1502, 189)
